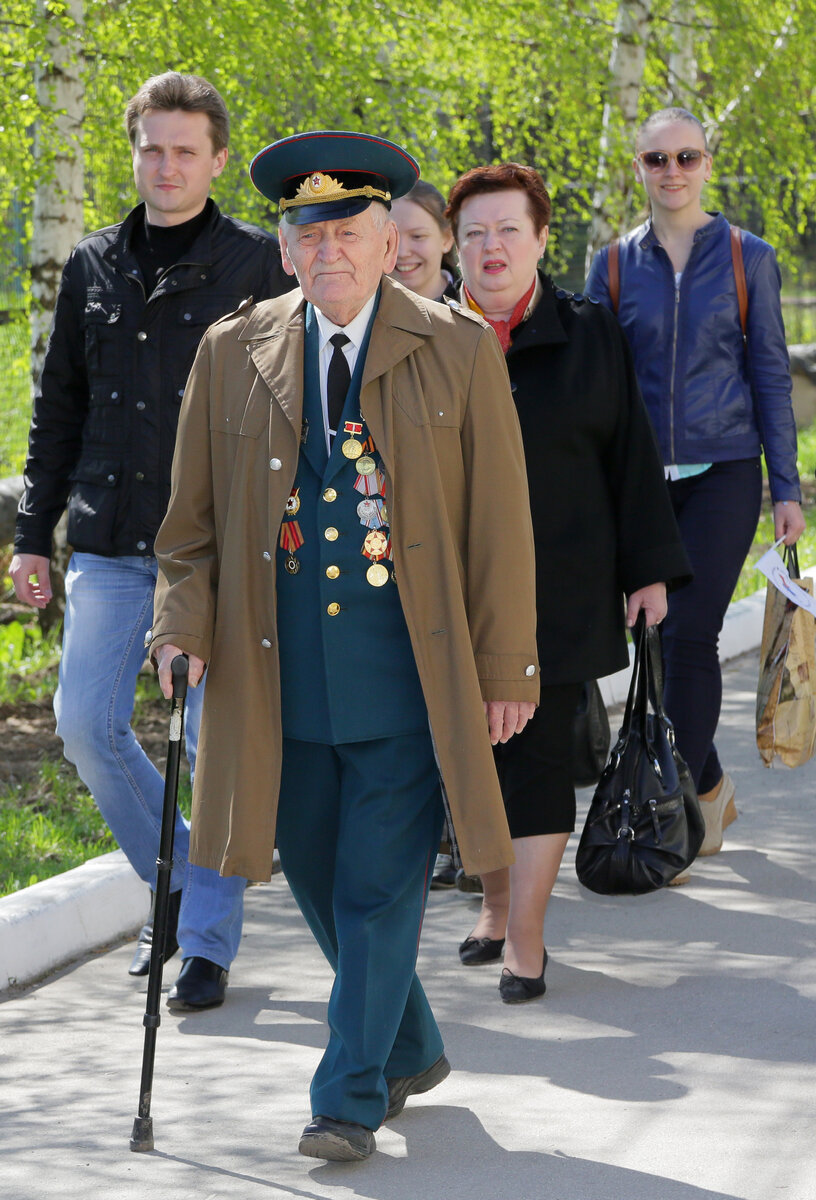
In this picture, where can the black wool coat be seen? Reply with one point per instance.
(602, 519)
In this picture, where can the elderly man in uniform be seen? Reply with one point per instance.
(348, 549)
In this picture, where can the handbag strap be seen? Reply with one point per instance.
(638, 683)
(791, 558)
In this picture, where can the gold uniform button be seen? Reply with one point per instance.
(332, 572)
(331, 534)
(333, 609)
(329, 495)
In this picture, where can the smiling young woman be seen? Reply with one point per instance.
(717, 401)
(426, 262)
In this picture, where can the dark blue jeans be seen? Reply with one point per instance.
(717, 513)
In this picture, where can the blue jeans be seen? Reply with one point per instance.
(108, 610)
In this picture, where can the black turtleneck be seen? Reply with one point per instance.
(158, 247)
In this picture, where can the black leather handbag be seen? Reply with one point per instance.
(591, 736)
(644, 825)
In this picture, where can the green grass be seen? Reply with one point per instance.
(50, 823)
(52, 828)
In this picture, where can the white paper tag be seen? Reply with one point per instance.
(773, 568)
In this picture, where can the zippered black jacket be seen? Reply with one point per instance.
(107, 406)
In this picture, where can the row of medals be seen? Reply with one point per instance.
(371, 510)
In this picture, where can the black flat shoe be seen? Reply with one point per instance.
(474, 951)
(403, 1086)
(518, 989)
(140, 963)
(337, 1141)
(201, 984)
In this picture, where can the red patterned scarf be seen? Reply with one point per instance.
(505, 328)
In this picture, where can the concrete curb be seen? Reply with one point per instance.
(49, 924)
(45, 926)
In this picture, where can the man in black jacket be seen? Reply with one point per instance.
(133, 303)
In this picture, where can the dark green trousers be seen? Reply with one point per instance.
(358, 830)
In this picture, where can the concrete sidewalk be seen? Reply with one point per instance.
(672, 1057)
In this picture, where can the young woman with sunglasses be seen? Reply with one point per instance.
(716, 401)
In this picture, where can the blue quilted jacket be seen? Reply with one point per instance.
(690, 358)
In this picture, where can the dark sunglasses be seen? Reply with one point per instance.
(658, 160)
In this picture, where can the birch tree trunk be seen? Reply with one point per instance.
(58, 198)
(683, 59)
(611, 202)
(57, 218)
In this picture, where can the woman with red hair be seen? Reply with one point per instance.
(603, 527)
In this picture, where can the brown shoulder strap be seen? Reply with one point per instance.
(613, 264)
(739, 276)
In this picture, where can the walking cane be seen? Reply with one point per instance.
(142, 1136)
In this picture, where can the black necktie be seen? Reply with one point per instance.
(337, 381)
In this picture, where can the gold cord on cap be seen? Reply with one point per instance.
(318, 188)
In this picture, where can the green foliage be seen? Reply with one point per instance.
(27, 657)
(458, 81)
(15, 404)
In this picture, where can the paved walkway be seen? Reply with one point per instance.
(671, 1059)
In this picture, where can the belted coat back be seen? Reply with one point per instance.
(435, 396)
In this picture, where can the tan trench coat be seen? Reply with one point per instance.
(436, 398)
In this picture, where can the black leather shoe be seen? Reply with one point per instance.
(201, 984)
(338, 1141)
(400, 1088)
(140, 963)
(518, 989)
(470, 884)
(474, 951)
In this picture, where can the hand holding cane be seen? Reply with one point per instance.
(142, 1135)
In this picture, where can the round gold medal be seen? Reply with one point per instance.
(366, 465)
(375, 544)
(377, 574)
(352, 448)
(293, 505)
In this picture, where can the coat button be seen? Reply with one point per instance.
(267, 556)
(333, 609)
(332, 572)
(188, 316)
(329, 495)
(140, 405)
(267, 645)
(275, 464)
(111, 479)
(530, 670)
(114, 395)
(331, 534)
(141, 545)
(141, 336)
(148, 637)
(140, 476)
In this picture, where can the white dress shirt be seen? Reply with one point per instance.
(355, 331)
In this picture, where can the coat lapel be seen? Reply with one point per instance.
(277, 352)
(401, 325)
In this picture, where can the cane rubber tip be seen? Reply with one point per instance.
(142, 1137)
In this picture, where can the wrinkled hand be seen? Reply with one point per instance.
(506, 717)
(164, 656)
(31, 576)
(789, 521)
(652, 600)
